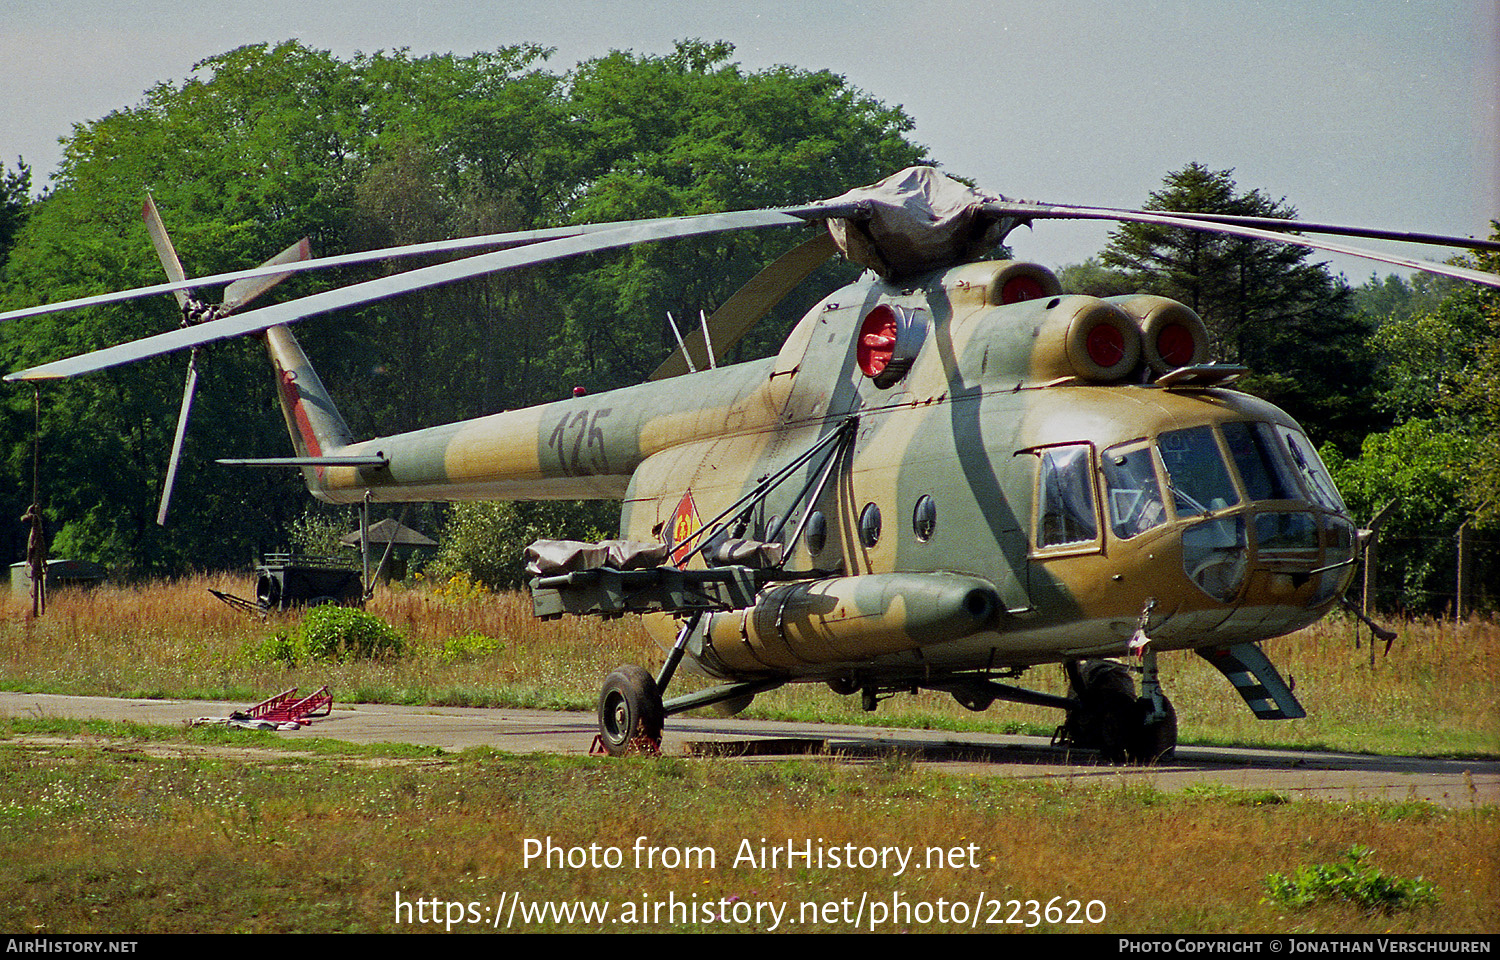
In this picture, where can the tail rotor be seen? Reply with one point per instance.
(236, 295)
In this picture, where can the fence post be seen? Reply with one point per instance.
(1369, 579)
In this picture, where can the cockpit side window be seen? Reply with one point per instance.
(1314, 475)
(1132, 490)
(1065, 499)
(1256, 454)
(1196, 474)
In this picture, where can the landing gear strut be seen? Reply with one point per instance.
(1157, 738)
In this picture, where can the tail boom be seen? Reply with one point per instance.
(581, 448)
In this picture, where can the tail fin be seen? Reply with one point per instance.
(315, 425)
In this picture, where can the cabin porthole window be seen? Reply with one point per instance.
(924, 518)
(817, 532)
(1065, 498)
(869, 525)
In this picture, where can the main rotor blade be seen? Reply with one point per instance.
(737, 315)
(499, 240)
(370, 291)
(164, 250)
(1048, 211)
(242, 291)
(1303, 226)
(188, 390)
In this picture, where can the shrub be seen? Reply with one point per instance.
(317, 532)
(278, 648)
(343, 633)
(486, 541)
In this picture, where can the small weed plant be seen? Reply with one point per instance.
(459, 588)
(470, 646)
(1351, 881)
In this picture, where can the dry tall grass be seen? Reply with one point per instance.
(1434, 693)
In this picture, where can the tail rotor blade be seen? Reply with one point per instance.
(164, 250)
(241, 292)
(189, 388)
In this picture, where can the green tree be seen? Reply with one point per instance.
(242, 163)
(487, 541)
(15, 203)
(267, 143)
(1394, 298)
(1476, 400)
(1265, 306)
(691, 132)
(1426, 359)
(1439, 376)
(1093, 279)
(1424, 468)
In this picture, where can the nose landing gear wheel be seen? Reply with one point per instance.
(630, 713)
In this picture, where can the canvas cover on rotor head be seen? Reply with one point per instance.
(915, 221)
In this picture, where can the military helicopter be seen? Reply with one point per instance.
(951, 472)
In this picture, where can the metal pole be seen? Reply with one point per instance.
(1462, 586)
(674, 656)
(364, 538)
(1462, 600)
(36, 541)
(1369, 579)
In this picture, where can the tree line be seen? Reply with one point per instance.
(1396, 380)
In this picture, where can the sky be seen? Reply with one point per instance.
(1368, 112)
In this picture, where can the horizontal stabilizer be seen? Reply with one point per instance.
(373, 461)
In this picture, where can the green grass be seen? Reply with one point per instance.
(104, 828)
(120, 827)
(91, 732)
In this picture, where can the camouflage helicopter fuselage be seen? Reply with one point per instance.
(1017, 493)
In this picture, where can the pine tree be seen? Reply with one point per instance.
(1265, 305)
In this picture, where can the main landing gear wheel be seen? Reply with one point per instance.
(1110, 718)
(630, 713)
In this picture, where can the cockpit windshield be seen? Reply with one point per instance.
(1252, 491)
(1196, 474)
(1265, 474)
(1189, 467)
